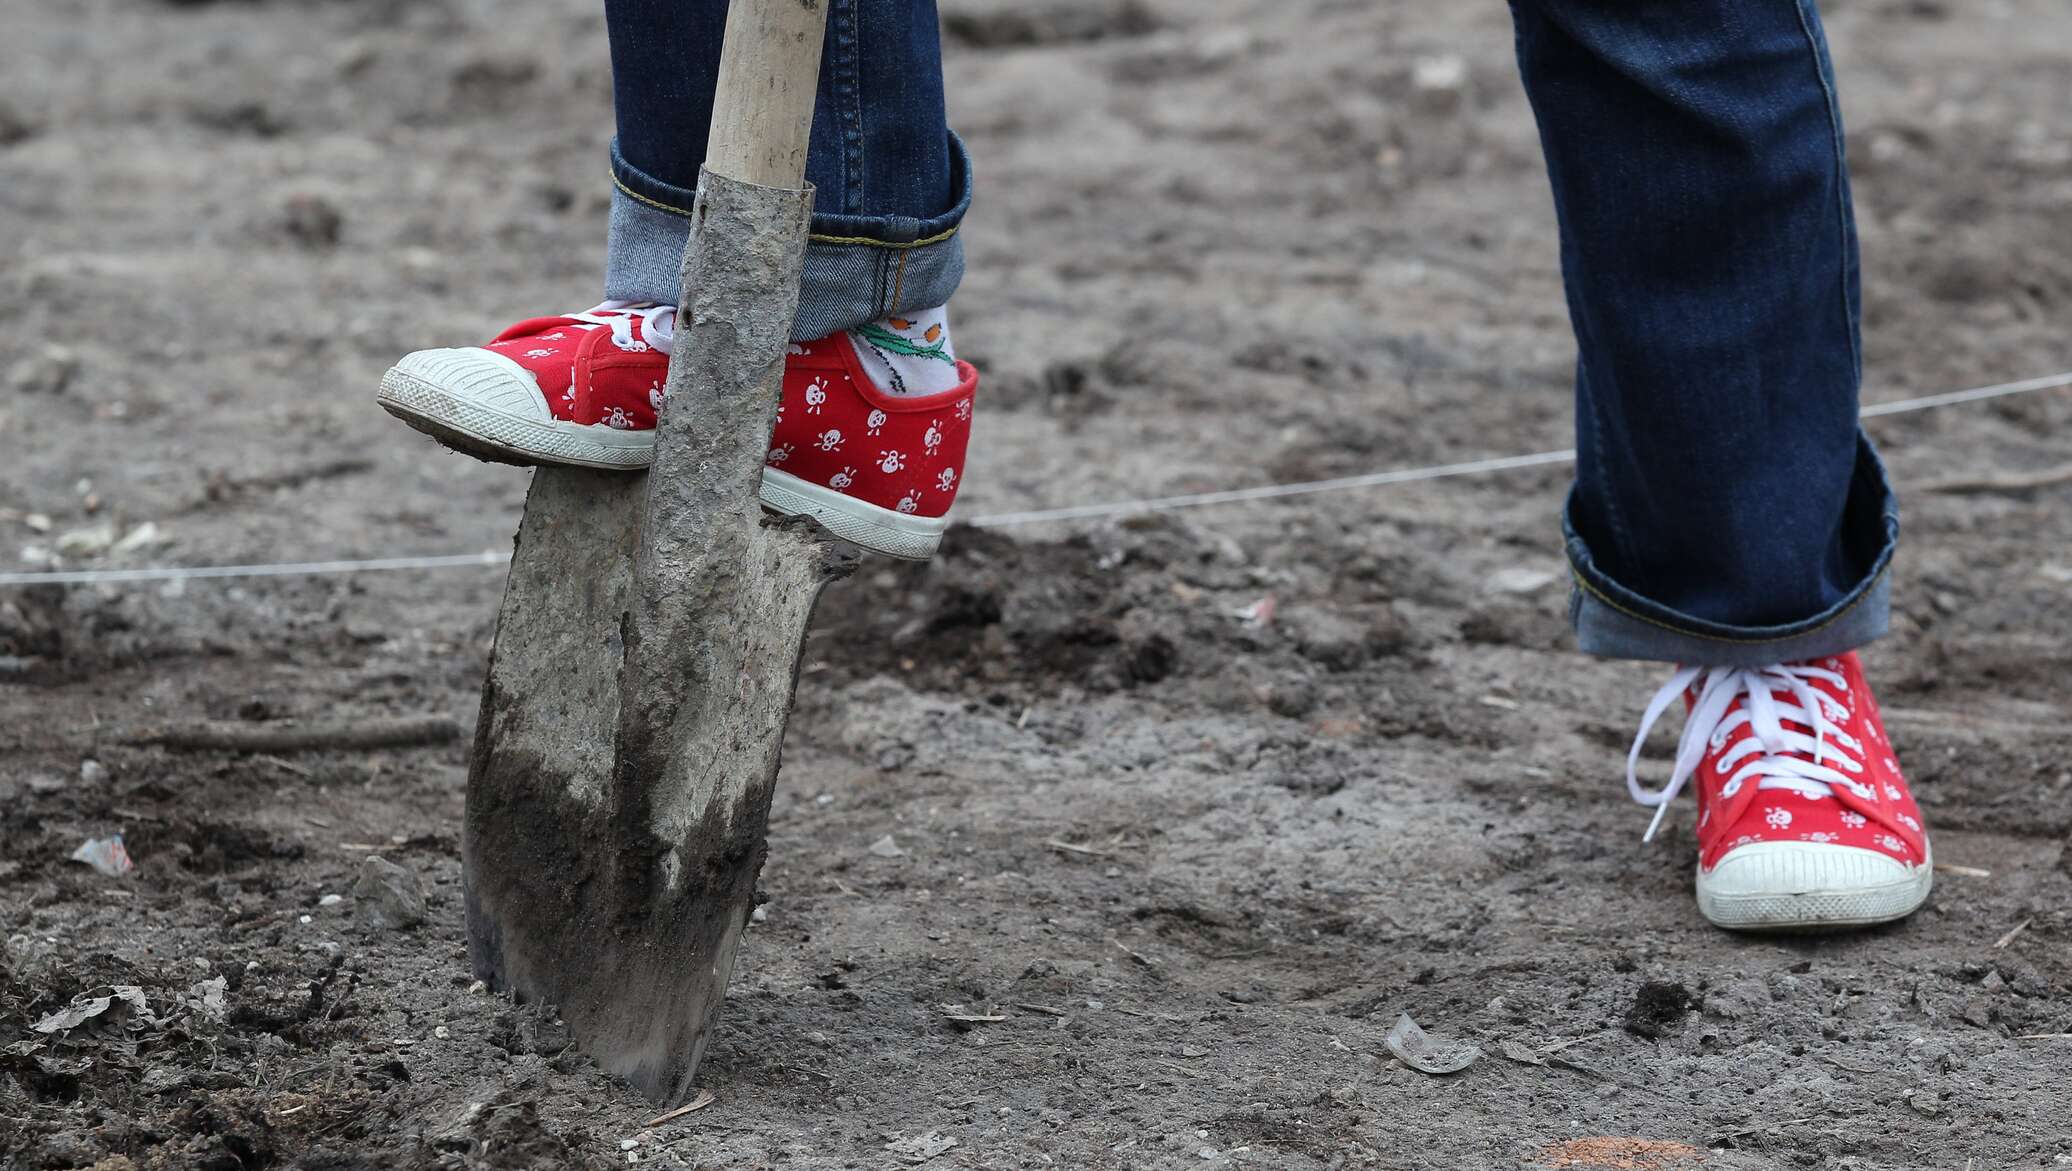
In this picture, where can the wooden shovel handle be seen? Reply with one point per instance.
(769, 71)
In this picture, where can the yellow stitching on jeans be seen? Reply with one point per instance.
(938, 238)
(1594, 592)
(658, 205)
(654, 203)
(899, 280)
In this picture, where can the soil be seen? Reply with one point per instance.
(1199, 862)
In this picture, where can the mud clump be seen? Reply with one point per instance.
(1657, 1008)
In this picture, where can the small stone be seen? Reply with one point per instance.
(47, 371)
(387, 896)
(305, 920)
(627, 1144)
(759, 915)
(144, 536)
(1517, 579)
(330, 900)
(885, 847)
(312, 221)
(441, 1033)
(1439, 82)
(45, 784)
(88, 541)
(478, 988)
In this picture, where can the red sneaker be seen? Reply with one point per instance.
(877, 469)
(1804, 820)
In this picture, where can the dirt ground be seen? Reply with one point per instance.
(1198, 863)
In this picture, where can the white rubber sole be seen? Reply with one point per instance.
(1809, 886)
(500, 436)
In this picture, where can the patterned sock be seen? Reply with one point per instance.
(909, 354)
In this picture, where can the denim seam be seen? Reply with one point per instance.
(1834, 130)
(846, 73)
(1863, 591)
(1615, 515)
(901, 245)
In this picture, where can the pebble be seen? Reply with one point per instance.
(886, 847)
(93, 772)
(387, 896)
(441, 1033)
(47, 371)
(330, 900)
(87, 541)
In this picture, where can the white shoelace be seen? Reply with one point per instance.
(1765, 756)
(657, 324)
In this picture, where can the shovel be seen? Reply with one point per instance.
(648, 644)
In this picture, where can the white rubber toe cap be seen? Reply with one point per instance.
(1809, 886)
(485, 404)
(484, 379)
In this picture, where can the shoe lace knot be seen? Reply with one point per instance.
(657, 324)
(1796, 739)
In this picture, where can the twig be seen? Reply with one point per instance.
(1138, 956)
(1194, 1073)
(228, 736)
(1149, 1016)
(700, 1102)
(954, 1012)
(1072, 848)
(2008, 938)
(2013, 484)
(1045, 1009)
(2044, 1037)
(1965, 871)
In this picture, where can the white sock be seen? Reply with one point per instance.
(909, 353)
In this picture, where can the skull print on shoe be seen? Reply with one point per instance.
(584, 389)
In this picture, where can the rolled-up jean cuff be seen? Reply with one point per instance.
(1615, 622)
(858, 268)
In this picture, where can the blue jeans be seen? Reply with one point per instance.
(1727, 508)
(891, 182)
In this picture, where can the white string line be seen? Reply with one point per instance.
(283, 569)
(998, 519)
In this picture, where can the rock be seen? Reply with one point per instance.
(885, 847)
(386, 896)
(89, 541)
(47, 371)
(92, 772)
(144, 536)
(1439, 82)
(15, 126)
(312, 221)
(1518, 579)
(1340, 639)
